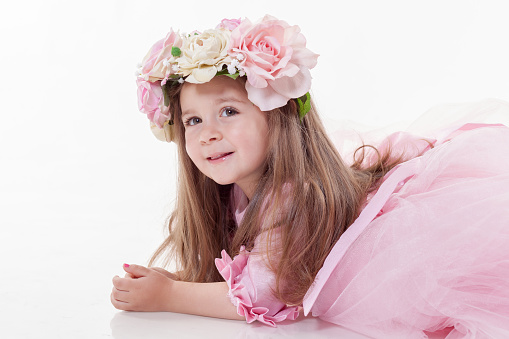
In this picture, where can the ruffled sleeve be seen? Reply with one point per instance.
(250, 285)
(251, 282)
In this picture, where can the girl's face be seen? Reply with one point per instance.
(226, 135)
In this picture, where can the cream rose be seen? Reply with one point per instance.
(203, 55)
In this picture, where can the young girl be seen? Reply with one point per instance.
(409, 238)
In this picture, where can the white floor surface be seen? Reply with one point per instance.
(85, 187)
(64, 237)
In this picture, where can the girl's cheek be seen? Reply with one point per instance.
(189, 150)
(191, 146)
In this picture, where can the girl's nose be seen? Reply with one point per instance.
(210, 132)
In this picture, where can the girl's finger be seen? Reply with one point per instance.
(129, 276)
(121, 284)
(118, 304)
(120, 296)
(137, 270)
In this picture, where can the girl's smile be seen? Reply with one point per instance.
(226, 135)
(219, 157)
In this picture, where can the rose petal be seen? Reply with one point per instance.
(289, 71)
(256, 79)
(304, 57)
(150, 58)
(202, 74)
(294, 38)
(293, 87)
(265, 98)
(230, 24)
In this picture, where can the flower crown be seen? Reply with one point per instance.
(270, 53)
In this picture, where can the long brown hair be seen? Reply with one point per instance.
(314, 196)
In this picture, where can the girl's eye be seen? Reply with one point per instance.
(228, 112)
(192, 121)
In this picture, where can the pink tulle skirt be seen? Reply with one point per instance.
(436, 256)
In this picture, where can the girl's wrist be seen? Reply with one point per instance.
(205, 299)
(173, 299)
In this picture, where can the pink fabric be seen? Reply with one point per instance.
(437, 258)
(428, 253)
(402, 144)
(250, 280)
(396, 178)
(250, 284)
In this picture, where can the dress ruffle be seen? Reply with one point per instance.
(436, 258)
(232, 271)
(432, 252)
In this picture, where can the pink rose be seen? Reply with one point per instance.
(153, 66)
(151, 101)
(229, 24)
(275, 59)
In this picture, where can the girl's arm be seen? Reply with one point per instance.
(145, 289)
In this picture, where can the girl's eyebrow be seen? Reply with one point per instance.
(218, 101)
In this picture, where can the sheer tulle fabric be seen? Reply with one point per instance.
(437, 255)
(430, 250)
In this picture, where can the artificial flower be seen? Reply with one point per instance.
(270, 53)
(203, 55)
(229, 24)
(151, 101)
(275, 60)
(155, 65)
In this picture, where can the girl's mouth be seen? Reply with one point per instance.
(219, 156)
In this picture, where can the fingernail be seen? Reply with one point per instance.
(126, 265)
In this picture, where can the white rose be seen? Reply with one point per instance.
(203, 55)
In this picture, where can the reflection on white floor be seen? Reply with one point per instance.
(127, 325)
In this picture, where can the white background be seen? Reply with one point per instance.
(85, 187)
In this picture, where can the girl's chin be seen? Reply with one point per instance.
(221, 181)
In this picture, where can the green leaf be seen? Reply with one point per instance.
(175, 51)
(224, 71)
(233, 76)
(304, 105)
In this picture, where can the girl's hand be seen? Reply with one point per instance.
(153, 289)
(142, 289)
(170, 275)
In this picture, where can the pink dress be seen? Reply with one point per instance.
(429, 252)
